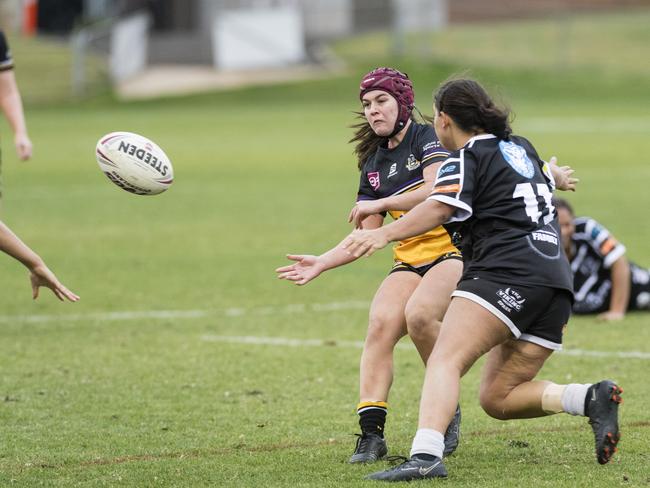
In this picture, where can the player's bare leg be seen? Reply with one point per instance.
(386, 327)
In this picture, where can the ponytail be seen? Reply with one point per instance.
(469, 105)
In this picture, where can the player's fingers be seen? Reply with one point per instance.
(553, 160)
(295, 257)
(284, 269)
(58, 294)
(34, 291)
(352, 214)
(73, 297)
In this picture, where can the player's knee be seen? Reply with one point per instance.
(420, 323)
(492, 405)
(382, 329)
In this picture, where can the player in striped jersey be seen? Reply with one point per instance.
(604, 281)
(398, 159)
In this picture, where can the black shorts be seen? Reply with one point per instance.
(422, 270)
(533, 313)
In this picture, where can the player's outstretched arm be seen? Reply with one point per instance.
(424, 217)
(308, 267)
(40, 274)
(563, 176)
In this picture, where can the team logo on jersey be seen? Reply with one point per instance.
(412, 163)
(373, 179)
(393, 170)
(517, 158)
(510, 299)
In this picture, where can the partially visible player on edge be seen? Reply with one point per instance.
(398, 159)
(604, 281)
(11, 104)
(40, 274)
(514, 298)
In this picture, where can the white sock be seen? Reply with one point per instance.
(573, 398)
(428, 441)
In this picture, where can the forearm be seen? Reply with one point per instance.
(335, 257)
(407, 201)
(11, 103)
(11, 244)
(339, 256)
(620, 286)
(13, 109)
(427, 215)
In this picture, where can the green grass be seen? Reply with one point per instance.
(90, 399)
(610, 43)
(43, 68)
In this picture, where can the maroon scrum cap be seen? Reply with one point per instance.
(396, 84)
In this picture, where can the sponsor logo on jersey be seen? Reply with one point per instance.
(393, 170)
(412, 163)
(545, 237)
(431, 145)
(373, 179)
(517, 158)
(447, 169)
(510, 299)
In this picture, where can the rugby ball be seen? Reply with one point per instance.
(134, 163)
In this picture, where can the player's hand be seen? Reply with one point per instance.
(611, 316)
(363, 209)
(305, 269)
(42, 276)
(23, 146)
(365, 242)
(563, 176)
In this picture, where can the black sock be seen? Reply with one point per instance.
(372, 417)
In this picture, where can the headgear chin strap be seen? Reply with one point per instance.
(397, 85)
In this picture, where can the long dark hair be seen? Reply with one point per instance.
(469, 105)
(559, 203)
(367, 140)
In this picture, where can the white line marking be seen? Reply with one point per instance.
(286, 341)
(295, 308)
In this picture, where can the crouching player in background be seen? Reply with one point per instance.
(604, 281)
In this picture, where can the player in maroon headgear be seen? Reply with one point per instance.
(398, 158)
(514, 298)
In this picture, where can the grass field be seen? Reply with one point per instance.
(188, 364)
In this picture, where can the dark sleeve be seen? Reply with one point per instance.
(6, 61)
(429, 147)
(455, 184)
(367, 182)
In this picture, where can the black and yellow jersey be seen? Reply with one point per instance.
(6, 61)
(399, 170)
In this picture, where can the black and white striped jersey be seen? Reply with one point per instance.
(594, 250)
(502, 192)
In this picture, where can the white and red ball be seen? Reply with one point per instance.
(134, 163)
